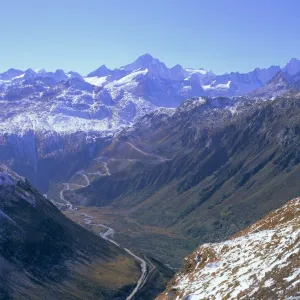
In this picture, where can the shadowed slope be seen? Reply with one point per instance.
(44, 254)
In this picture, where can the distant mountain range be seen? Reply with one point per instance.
(107, 99)
(42, 112)
(170, 157)
(151, 79)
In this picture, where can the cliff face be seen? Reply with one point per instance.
(260, 262)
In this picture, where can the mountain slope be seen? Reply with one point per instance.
(45, 255)
(41, 111)
(281, 84)
(205, 170)
(261, 262)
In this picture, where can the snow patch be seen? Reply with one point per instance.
(97, 81)
(238, 266)
(220, 86)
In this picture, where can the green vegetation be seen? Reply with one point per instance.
(224, 172)
(45, 255)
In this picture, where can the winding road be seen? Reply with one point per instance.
(105, 166)
(147, 154)
(66, 187)
(108, 234)
(85, 178)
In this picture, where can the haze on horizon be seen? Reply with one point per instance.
(216, 35)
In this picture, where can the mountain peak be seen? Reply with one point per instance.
(40, 71)
(29, 74)
(10, 74)
(145, 57)
(153, 65)
(292, 67)
(177, 72)
(177, 67)
(100, 72)
(13, 70)
(145, 61)
(30, 71)
(294, 60)
(73, 74)
(103, 67)
(59, 71)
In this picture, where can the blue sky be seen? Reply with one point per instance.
(224, 35)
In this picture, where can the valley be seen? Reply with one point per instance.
(153, 205)
(95, 221)
(151, 161)
(44, 254)
(150, 150)
(108, 235)
(108, 232)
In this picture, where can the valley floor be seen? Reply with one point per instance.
(153, 241)
(128, 234)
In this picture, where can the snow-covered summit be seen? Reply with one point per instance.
(106, 99)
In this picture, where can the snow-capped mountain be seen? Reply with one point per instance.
(40, 106)
(236, 84)
(152, 80)
(65, 102)
(43, 113)
(10, 74)
(261, 262)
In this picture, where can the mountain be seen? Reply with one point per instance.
(45, 255)
(281, 84)
(261, 262)
(202, 171)
(166, 172)
(10, 74)
(100, 72)
(168, 87)
(42, 111)
(235, 84)
(153, 65)
(292, 67)
(177, 72)
(40, 117)
(278, 85)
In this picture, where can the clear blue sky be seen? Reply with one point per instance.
(81, 35)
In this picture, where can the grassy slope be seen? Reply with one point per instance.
(224, 173)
